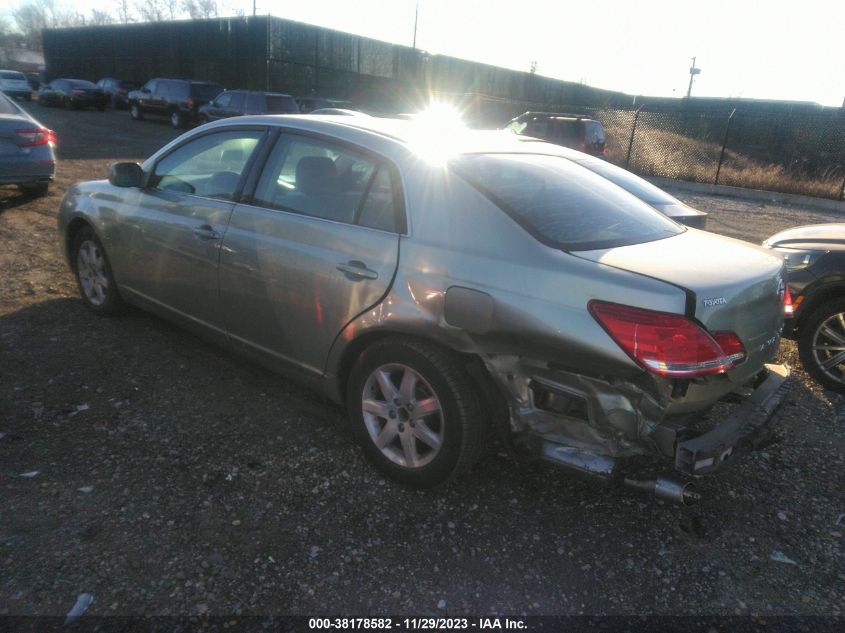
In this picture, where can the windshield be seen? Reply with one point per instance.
(640, 187)
(10, 74)
(562, 204)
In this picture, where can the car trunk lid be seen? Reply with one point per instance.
(731, 286)
(10, 140)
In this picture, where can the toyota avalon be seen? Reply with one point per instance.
(447, 286)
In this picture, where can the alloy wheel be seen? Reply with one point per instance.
(403, 415)
(828, 347)
(91, 269)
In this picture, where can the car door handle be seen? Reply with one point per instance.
(357, 270)
(205, 232)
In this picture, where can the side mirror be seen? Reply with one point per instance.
(126, 175)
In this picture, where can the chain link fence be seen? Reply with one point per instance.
(788, 151)
(785, 152)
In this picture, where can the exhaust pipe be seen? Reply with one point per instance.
(603, 468)
(667, 489)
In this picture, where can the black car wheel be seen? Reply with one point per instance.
(135, 112)
(821, 344)
(415, 412)
(68, 104)
(93, 274)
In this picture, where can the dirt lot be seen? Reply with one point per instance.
(174, 478)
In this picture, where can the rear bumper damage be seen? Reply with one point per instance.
(605, 428)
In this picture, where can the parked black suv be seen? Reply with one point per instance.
(570, 130)
(177, 99)
(240, 102)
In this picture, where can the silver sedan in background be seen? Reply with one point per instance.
(27, 157)
(446, 285)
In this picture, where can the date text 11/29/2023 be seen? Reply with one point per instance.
(415, 624)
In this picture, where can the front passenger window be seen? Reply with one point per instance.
(209, 166)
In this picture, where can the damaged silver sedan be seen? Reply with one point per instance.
(446, 286)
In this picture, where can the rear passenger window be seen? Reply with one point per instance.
(237, 102)
(209, 166)
(254, 103)
(379, 209)
(315, 178)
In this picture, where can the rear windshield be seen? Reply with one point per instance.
(6, 106)
(206, 91)
(562, 204)
(281, 105)
(11, 74)
(81, 83)
(572, 130)
(640, 187)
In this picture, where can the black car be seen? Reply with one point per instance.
(118, 90)
(73, 94)
(815, 264)
(177, 99)
(240, 102)
(307, 104)
(570, 130)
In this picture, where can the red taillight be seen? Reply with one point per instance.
(36, 136)
(190, 102)
(788, 308)
(665, 343)
(78, 92)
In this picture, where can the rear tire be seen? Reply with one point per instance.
(94, 275)
(135, 112)
(67, 104)
(820, 334)
(415, 412)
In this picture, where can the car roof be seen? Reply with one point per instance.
(408, 133)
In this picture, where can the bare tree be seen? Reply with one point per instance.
(124, 13)
(200, 9)
(100, 17)
(152, 10)
(36, 15)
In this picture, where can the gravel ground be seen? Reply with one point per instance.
(176, 479)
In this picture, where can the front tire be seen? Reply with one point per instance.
(821, 344)
(415, 412)
(94, 275)
(177, 119)
(135, 112)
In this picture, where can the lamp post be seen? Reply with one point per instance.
(693, 71)
(416, 19)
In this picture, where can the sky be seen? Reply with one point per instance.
(775, 49)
